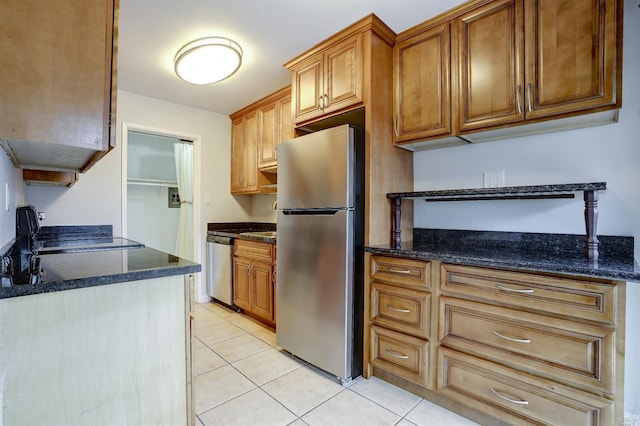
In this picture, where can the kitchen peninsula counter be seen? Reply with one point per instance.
(528, 252)
(85, 259)
(102, 329)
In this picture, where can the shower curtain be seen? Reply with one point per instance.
(184, 171)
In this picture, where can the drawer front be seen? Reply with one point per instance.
(395, 270)
(401, 309)
(253, 250)
(590, 300)
(580, 354)
(515, 397)
(402, 355)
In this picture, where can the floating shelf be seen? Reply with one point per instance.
(589, 190)
(152, 182)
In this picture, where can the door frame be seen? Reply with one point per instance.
(126, 127)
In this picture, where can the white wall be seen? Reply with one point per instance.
(97, 197)
(608, 153)
(216, 204)
(17, 190)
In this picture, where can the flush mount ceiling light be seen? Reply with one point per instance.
(208, 60)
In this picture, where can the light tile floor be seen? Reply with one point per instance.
(243, 378)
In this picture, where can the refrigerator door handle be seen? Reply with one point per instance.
(314, 212)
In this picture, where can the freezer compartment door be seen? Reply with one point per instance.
(314, 291)
(317, 170)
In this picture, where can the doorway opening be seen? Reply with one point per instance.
(156, 177)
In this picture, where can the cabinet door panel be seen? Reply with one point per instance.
(267, 118)
(491, 74)
(55, 75)
(262, 302)
(307, 87)
(343, 74)
(237, 156)
(422, 74)
(570, 55)
(251, 154)
(241, 284)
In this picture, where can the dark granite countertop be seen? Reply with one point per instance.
(102, 260)
(237, 230)
(528, 252)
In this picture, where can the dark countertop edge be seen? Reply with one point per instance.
(531, 189)
(519, 265)
(55, 286)
(238, 236)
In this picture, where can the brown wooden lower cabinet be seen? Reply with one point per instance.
(498, 346)
(254, 279)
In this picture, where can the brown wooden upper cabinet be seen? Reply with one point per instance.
(256, 132)
(488, 69)
(328, 81)
(276, 126)
(523, 60)
(422, 84)
(244, 149)
(57, 76)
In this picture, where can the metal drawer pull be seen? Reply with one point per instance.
(515, 290)
(396, 354)
(511, 339)
(518, 94)
(399, 271)
(404, 311)
(515, 401)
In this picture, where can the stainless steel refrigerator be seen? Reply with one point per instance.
(320, 222)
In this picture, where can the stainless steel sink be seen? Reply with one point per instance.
(270, 234)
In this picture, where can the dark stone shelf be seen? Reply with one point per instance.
(564, 190)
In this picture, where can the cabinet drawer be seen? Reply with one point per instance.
(592, 300)
(253, 250)
(515, 397)
(401, 309)
(401, 271)
(580, 354)
(402, 355)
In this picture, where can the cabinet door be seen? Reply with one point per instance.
(570, 57)
(307, 88)
(251, 153)
(490, 52)
(422, 75)
(237, 156)
(241, 283)
(343, 74)
(285, 121)
(268, 122)
(56, 77)
(262, 291)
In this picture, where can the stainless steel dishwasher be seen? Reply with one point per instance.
(219, 267)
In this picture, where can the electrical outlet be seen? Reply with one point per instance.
(494, 179)
(174, 198)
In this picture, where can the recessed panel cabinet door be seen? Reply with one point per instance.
(343, 74)
(422, 75)
(55, 72)
(262, 291)
(307, 88)
(570, 55)
(251, 153)
(490, 65)
(237, 156)
(241, 284)
(267, 117)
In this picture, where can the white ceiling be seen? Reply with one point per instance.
(271, 32)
